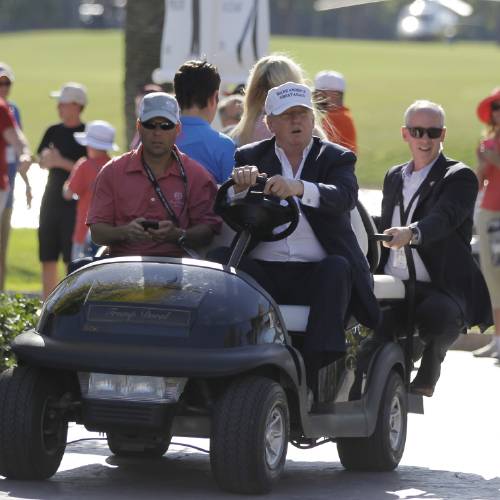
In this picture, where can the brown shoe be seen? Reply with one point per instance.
(422, 390)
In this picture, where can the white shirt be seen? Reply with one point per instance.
(396, 264)
(302, 245)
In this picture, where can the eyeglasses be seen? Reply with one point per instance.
(5, 83)
(495, 106)
(168, 125)
(419, 132)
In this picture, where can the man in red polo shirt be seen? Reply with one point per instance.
(131, 214)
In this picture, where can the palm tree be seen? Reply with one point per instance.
(143, 33)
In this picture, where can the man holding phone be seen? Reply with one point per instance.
(154, 200)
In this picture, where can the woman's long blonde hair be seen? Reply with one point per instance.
(268, 72)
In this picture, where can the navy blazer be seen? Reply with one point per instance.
(331, 168)
(444, 213)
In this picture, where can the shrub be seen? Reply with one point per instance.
(18, 313)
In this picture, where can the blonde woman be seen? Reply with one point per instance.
(268, 72)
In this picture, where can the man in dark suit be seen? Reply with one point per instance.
(427, 207)
(320, 264)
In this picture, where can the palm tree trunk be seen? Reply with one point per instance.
(143, 33)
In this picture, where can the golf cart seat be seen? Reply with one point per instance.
(385, 287)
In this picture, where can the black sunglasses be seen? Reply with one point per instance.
(419, 132)
(495, 106)
(168, 125)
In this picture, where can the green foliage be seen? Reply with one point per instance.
(18, 313)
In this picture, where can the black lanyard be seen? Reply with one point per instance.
(159, 192)
(404, 214)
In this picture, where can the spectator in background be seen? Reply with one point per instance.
(196, 86)
(6, 81)
(230, 110)
(268, 72)
(338, 124)
(58, 152)
(141, 92)
(98, 138)
(488, 217)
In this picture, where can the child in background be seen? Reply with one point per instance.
(99, 138)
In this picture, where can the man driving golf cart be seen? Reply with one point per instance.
(320, 264)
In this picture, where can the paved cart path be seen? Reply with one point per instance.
(452, 453)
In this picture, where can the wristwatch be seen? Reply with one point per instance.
(415, 235)
(181, 241)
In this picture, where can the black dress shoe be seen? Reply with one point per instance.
(422, 390)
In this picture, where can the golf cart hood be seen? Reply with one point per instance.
(160, 302)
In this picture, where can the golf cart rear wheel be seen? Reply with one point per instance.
(134, 446)
(33, 430)
(383, 450)
(250, 432)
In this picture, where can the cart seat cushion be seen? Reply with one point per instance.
(388, 287)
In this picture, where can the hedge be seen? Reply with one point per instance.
(18, 313)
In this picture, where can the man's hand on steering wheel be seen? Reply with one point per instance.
(244, 177)
(283, 188)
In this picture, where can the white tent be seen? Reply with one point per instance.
(231, 34)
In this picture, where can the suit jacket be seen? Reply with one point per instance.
(331, 168)
(444, 215)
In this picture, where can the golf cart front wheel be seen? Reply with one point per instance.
(382, 451)
(33, 430)
(250, 432)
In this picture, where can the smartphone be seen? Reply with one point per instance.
(149, 224)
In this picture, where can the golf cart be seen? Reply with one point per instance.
(144, 348)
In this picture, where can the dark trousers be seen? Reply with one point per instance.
(325, 286)
(438, 320)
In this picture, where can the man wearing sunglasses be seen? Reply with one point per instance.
(427, 207)
(154, 200)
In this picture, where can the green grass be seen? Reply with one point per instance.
(23, 265)
(43, 60)
(383, 78)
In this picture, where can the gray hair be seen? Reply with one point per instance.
(424, 105)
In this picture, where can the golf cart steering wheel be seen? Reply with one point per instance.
(257, 212)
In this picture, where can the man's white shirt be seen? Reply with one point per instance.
(302, 245)
(396, 264)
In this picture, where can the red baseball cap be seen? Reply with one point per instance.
(484, 108)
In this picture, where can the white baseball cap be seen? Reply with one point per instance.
(71, 92)
(159, 104)
(98, 135)
(329, 80)
(286, 96)
(6, 70)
